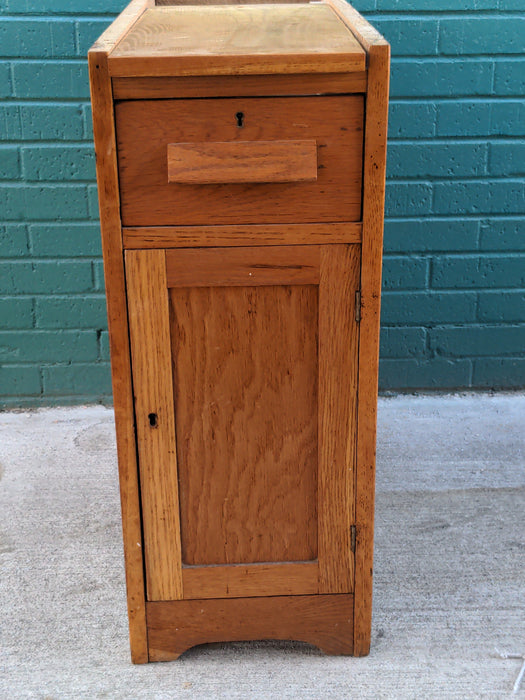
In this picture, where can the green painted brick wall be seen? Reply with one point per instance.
(454, 265)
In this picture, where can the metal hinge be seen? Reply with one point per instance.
(352, 538)
(358, 305)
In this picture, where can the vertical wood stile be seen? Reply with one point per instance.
(108, 195)
(109, 205)
(374, 168)
(373, 215)
(148, 307)
(338, 343)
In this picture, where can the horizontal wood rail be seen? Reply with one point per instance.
(239, 235)
(239, 85)
(247, 580)
(241, 267)
(323, 620)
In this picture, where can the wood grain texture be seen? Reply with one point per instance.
(145, 128)
(239, 86)
(232, 236)
(312, 313)
(245, 376)
(241, 267)
(248, 581)
(240, 39)
(108, 196)
(325, 621)
(338, 346)
(373, 216)
(118, 29)
(153, 386)
(171, 3)
(378, 59)
(242, 161)
(364, 32)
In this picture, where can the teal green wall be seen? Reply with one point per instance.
(454, 266)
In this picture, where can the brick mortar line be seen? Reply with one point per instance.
(514, 57)
(49, 143)
(51, 258)
(441, 54)
(457, 99)
(448, 178)
(398, 56)
(425, 218)
(65, 296)
(79, 16)
(456, 140)
(427, 180)
(443, 59)
(431, 325)
(374, 15)
(371, 15)
(24, 183)
(436, 179)
(14, 101)
(469, 255)
(470, 290)
(487, 139)
(39, 60)
(438, 140)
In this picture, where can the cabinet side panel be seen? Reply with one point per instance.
(373, 215)
(108, 195)
(245, 369)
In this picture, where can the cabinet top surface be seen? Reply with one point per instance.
(237, 39)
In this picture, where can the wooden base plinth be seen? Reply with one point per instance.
(323, 620)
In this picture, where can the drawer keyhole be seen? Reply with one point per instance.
(240, 119)
(153, 420)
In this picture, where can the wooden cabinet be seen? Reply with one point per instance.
(240, 163)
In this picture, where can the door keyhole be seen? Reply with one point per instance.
(153, 421)
(240, 119)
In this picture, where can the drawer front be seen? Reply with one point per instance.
(236, 160)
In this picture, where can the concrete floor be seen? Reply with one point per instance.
(449, 593)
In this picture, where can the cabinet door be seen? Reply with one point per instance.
(245, 381)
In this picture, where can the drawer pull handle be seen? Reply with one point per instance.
(242, 161)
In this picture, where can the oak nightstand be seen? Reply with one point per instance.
(241, 170)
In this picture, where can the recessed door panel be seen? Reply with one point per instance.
(245, 378)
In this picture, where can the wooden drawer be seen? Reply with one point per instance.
(240, 160)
